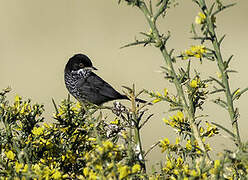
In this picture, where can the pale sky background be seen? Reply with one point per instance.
(38, 36)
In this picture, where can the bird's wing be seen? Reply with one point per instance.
(96, 89)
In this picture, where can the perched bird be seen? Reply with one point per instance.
(85, 85)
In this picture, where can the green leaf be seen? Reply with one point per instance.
(188, 68)
(220, 103)
(223, 8)
(171, 52)
(145, 34)
(224, 129)
(193, 30)
(150, 7)
(231, 71)
(200, 38)
(159, 2)
(240, 93)
(216, 80)
(211, 8)
(55, 106)
(221, 39)
(228, 61)
(217, 91)
(175, 109)
(145, 42)
(166, 69)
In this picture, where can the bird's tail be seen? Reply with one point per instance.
(136, 99)
(140, 100)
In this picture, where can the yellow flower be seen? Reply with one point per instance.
(135, 168)
(169, 164)
(158, 93)
(42, 161)
(87, 156)
(78, 105)
(25, 109)
(18, 166)
(86, 171)
(177, 141)
(176, 172)
(108, 145)
(172, 178)
(180, 116)
(17, 98)
(218, 75)
(201, 130)
(46, 172)
(124, 172)
(38, 131)
(237, 92)
(179, 161)
(124, 134)
(200, 19)
(204, 176)
(10, 155)
(193, 83)
(92, 175)
(188, 145)
(56, 174)
(196, 51)
(63, 157)
(100, 149)
(165, 92)
(92, 139)
(46, 125)
(25, 169)
(186, 169)
(165, 141)
(36, 168)
(99, 167)
(116, 121)
(194, 173)
(17, 103)
(164, 144)
(166, 121)
(189, 52)
(156, 100)
(216, 163)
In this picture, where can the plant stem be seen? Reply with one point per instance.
(135, 121)
(139, 148)
(188, 109)
(224, 74)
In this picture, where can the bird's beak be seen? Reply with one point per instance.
(91, 68)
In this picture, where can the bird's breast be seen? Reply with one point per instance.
(71, 82)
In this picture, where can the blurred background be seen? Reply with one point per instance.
(38, 37)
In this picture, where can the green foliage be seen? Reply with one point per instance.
(83, 144)
(79, 145)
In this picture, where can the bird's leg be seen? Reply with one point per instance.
(118, 108)
(83, 109)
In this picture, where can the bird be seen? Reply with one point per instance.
(85, 85)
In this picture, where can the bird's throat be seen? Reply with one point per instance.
(81, 72)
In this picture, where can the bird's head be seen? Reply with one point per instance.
(79, 64)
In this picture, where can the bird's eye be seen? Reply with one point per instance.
(81, 65)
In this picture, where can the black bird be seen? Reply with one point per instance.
(85, 85)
